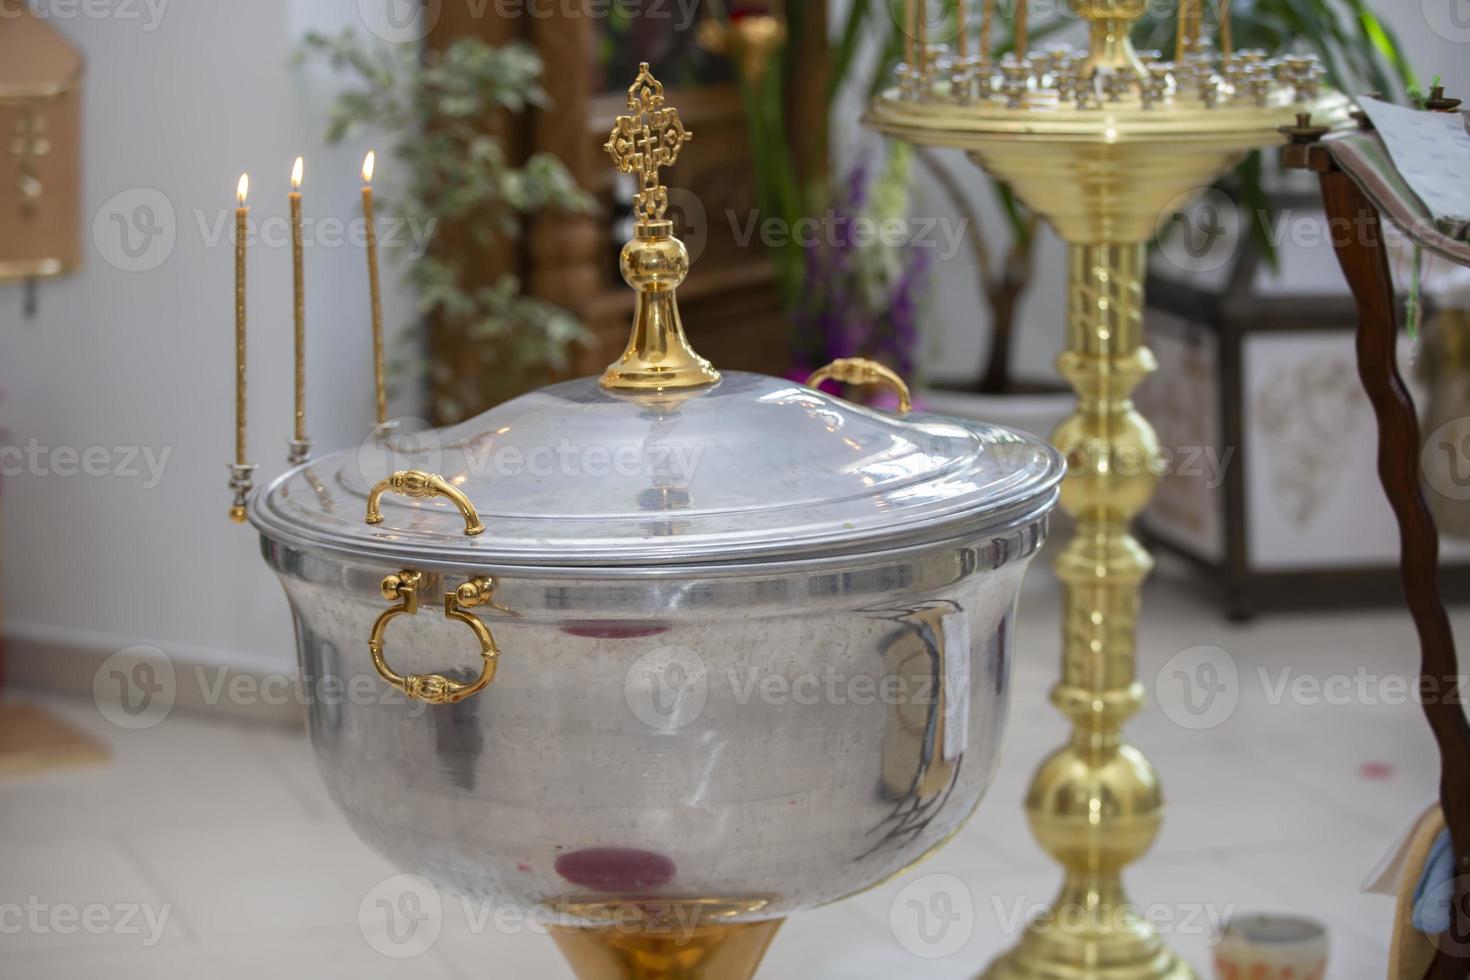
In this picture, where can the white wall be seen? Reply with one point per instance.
(145, 359)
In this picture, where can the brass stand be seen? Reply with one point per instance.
(1104, 147)
(1096, 804)
(711, 952)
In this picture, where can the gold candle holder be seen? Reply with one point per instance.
(241, 471)
(1102, 173)
(380, 379)
(300, 445)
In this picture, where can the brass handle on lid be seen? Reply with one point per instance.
(862, 371)
(419, 485)
(436, 688)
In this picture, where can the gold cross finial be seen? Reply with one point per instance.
(648, 139)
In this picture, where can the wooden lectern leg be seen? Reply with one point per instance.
(1357, 231)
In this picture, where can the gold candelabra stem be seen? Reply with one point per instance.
(1096, 803)
(1110, 49)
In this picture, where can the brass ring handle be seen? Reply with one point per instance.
(436, 688)
(418, 485)
(862, 371)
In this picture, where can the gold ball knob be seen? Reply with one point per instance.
(656, 261)
(237, 514)
(391, 586)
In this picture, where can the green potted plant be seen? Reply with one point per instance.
(434, 105)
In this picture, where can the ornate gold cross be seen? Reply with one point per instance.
(648, 139)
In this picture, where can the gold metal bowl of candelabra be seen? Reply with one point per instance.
(1100, 143)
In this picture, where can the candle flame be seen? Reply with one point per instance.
(369, 164)
(296, 173)
(243, 191)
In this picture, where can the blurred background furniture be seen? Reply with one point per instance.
(1269, 492)
(40, 133)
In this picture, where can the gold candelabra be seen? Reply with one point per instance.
(1099, 143)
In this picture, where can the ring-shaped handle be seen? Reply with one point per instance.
(418, 485)
(436, 688)
(862, 371)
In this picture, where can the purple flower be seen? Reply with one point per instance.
(857, 301)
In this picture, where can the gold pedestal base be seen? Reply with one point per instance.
(712, 952)
(1097, 940)
(1040, 959)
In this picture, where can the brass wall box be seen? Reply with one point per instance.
(40, 148)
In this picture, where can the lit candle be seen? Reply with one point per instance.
(240, 471)
(299, 449)
(368, 165)
(1022, 42)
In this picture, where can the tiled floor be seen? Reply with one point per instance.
(209, 850)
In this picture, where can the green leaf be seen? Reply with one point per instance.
(434, 107)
